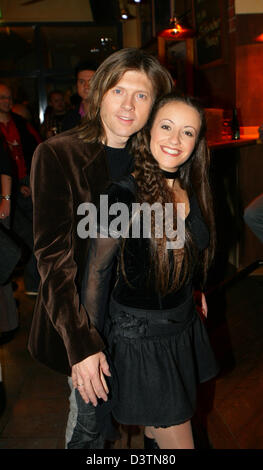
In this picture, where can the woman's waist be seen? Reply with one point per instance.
(147, 298)
(134, 322)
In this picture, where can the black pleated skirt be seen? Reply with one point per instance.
(158, 357)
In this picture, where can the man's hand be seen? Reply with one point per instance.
(88, 378)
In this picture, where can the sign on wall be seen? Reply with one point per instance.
(208, 25)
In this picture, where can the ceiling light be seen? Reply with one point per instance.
(125, 15)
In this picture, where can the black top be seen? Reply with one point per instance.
(6, 167)
(71, 119)
(138, 292)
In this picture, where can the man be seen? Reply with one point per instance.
(20, 140)
(84, 73)
(72, 168)
(10, 252)
(54, 115)
(19, 134)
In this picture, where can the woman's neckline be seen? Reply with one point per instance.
(171, 175)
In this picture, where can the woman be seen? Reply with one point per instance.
(157, 343)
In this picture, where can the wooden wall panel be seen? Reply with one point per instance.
(249, 83)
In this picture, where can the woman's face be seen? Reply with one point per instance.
(174, 134)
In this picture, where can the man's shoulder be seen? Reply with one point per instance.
(69, 144)
(64, 141)
(17, 118)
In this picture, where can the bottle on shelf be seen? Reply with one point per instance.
(235, 125)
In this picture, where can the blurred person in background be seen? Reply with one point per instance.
(84, 73)
(10, 252)
(20, 139)
(54, 114)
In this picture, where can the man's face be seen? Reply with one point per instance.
(57, 102)
(5, 99)
(125, 107)
(83, 80)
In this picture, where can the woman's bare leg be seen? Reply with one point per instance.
(174, 437)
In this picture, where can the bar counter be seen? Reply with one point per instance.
(227, 143)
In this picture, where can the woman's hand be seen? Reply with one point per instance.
(201, 305)
(204, 307)
(88, 378)
(5, 206)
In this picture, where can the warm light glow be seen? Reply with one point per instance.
(259, 38)
(177, 29)
(176, 32)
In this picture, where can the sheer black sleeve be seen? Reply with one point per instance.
(102, 258)
(97, 278)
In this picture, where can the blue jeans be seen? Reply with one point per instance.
(81, 428)
(253, 216)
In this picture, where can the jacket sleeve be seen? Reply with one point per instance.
(53, 225)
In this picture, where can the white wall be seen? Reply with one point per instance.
(46, 10)
(248, 6)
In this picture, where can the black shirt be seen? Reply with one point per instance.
(6, 167)
(71, 119)
(120, 162)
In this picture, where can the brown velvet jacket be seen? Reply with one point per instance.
(65, 172)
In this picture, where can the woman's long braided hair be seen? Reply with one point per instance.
(172, 267)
